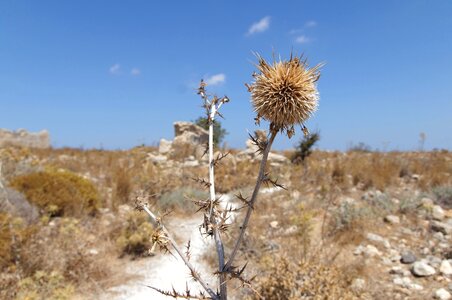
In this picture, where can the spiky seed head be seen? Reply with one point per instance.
(285, 92)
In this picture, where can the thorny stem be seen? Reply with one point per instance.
(181, 254)
(217, 236)
(260, 179)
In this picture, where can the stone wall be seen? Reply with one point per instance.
(23, 138)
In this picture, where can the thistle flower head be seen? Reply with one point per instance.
(285, 92)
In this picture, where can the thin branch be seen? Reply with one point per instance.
(218, 242)
(260, 179)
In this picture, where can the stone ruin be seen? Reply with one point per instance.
(190, 144)
(23, 138)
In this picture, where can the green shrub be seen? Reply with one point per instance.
(443, 196)
(218, 132)
(304, 148)
(177, 199)
(59, 192)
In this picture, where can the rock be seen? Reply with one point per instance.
(93, 251)
(396, 270)
(23, 138)
(371, 251)
(165, 146)
(441, 227)
(182, 128)
(408, 257)
(190, 139)
(274, 224)
(422, 269)
(252, 151)
(391, 219)
(439, 236)
(358, 285)
(406, 283)
(277, 158)
(378, 239)
(442, 294)
(427, 202)
(156, 158)
(16, 204)
(416, 177)
(190, 163)
(445, 268)
(437, 213)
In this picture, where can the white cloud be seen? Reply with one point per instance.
(135, 72)
(115, 69)
(259, 26)
(302, 39)
(310, 24)
(215, 79)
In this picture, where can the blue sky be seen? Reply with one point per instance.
(116, 74)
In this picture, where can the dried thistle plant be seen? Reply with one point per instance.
(283, 93)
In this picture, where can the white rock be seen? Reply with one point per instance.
(157, 158)
(391, 219)
(358, 284)
(422, 269)
(274, 224)
(165, 146)
(438, 213)
(378, 239)
(427, 202)
(442, 294)
(445, 268)
(371, 251)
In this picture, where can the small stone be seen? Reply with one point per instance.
(391, 219)
(422, 269)
(439, 236)
(397, 270)
(371, 251)
(358, 284)
(445, 268)
(442, 294)
(438, 213)
(274, 224)
(93, 251)
(427, 202)
(378, 239)
(408, 258)
(441, 227)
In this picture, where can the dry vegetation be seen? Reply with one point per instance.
(297, 243)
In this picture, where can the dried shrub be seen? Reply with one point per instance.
(122, 186)
(63, 246)
(12, 234)
(59, 193)
(304, 280)
(42, 285)
(135, 236)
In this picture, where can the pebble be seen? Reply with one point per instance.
(378, 239)
(408, 258)
(392, 219)
(442, 294)
(422, 269)
(438, 213)
(445, 268)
